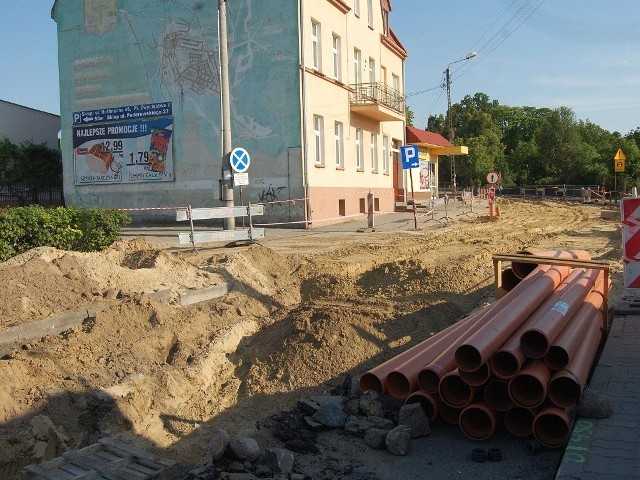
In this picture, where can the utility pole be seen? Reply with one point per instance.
(225, 98)
(454, 182)
(450, 129)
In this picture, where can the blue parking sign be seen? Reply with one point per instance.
(409, 156)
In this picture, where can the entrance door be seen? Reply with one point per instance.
(398, 190)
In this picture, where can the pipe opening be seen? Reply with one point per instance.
(526, 391)
(509, 279)
(429, 406)
(564, 392)
(477, 377)
(455, 392)
(519, 421)
(468, 358)
(477, 423)
(398, 385)
(534, 343)
(550, 430)
(521, 270)
(369, 381)
(556, 358)
(496, 394)
(504, 364)
(450, 414)
(429, 380)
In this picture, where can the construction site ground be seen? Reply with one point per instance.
(304, 309)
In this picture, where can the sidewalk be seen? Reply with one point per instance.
(609, 448)
(383, 222)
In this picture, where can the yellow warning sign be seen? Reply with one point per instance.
(620, 155)
(618, 161)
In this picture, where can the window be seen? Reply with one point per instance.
(337, 71)
(372, 70)
(385, 153)
(356, 7)
(359, 150)
(357, 66)
(385, 23)
(370, 12)
(396, 82)
(318, 133)
(339, 144)
(315, 45)
(374, 153)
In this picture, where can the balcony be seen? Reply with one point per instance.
(377, 101)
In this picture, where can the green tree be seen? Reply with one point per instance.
(30, 165)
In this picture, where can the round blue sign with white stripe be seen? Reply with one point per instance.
(240, 160)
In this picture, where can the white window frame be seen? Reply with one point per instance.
(374, 152)
(372, 70)
(336, 47)
(370, 12)
(338, 134)
(356, 7)
(316, 46)
(385, 23)
(357, 66)
(318, 134)
(359, 150)
(385, 153)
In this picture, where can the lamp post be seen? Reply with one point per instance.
(450, 120)
(227, 179)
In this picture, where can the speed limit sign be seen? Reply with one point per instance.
(493, 177)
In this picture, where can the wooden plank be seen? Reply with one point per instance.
(138, 452)
(570, 262)
(47, 474)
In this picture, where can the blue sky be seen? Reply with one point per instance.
(583, 54)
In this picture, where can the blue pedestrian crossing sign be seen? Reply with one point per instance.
(409, 156)
(240, 160)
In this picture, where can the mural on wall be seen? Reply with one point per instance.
(126, 53)
(427, 175)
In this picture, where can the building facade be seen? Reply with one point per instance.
(316, 100)
(21, 124)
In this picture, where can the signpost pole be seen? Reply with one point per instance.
(225, 98)
(413, 198)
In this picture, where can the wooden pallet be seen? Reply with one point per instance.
(109, 459)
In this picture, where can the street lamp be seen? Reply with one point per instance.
(448, 80)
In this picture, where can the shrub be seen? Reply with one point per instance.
(70, 228)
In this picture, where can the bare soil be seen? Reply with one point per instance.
(304, 311)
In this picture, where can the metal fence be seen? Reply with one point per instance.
(22, 196)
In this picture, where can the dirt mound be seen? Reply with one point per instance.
(301, 313)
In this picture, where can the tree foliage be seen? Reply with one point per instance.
(534, 146)
(29, 165)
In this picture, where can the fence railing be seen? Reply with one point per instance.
(377, 93)
(23, 196)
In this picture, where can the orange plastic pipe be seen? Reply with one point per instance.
(450, 414)
(374, 379)
(429, 377)
(477, 377)
(570, 339)
(477, 421)
(477, 349)
(496, 395)
(403, 379)
(549, 322)
(521, 269)
(507, 361)
(551, 426)
(509, 279)
(529, 387)
(430, 403)
(519, 421)
(454, 391)
(566, 386)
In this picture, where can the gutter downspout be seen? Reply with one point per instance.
(303, 99)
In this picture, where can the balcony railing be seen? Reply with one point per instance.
(377, 94)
